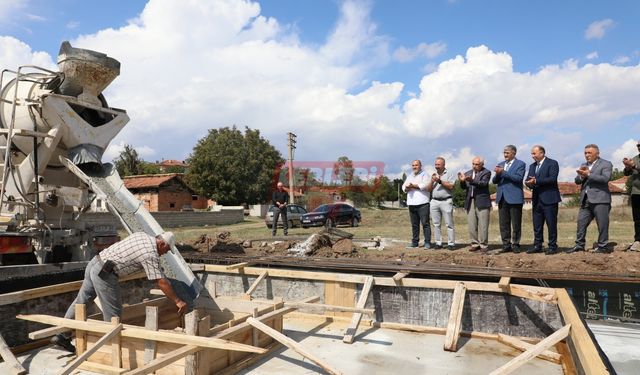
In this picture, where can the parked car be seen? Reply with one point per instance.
(294, 212)
(331, 215)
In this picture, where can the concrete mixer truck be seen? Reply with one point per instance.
(46, 115)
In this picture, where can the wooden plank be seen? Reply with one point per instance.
(101, 369)
(455, 318)
(533, 351)
(236, 266)
(116, 346)
(299, 305)
(504, 282)
(523, 346)
(350, 333)
(204, 356)
(47, 332)
(533, 292)
(399, 276)
(339, 294)
(15, 367)
(151, 323)
(247, 361)
(83, 357)
(51, 290)
(291, 344)
(81, 336)
(141, 333)
(588, 355)
(253, 286)
(164, 360)
(191, 328)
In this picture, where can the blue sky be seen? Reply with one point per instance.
(373, 80)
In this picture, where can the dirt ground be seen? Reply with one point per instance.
(619, 262)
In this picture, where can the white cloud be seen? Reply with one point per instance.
(598, 29)
(627, 150)
(35, 17)
(404, 54)
(72, 25)
(621, 60)
(593, 55)
(14, 53)
(115, 148)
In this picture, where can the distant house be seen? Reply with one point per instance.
(177, 165)
(164, 192)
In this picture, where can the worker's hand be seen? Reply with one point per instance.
(182, 307)
(498, 169)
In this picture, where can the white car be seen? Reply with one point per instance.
(294, 212)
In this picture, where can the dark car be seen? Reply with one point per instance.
(294, 212)
(331, 215)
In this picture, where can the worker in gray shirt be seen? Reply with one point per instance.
(441, 187)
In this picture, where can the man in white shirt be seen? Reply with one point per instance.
(417, 187)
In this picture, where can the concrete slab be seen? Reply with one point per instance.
(384, 351)
(620, 342)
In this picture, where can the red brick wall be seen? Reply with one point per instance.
(174, 194)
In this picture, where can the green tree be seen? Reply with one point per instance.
(343, 171)
(128, 163)
(616, 174)
(232, 167)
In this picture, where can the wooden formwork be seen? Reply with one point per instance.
(235, 330)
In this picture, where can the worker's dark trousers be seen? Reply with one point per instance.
(107, 290)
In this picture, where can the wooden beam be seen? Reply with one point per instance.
(47, 332)
(299, 305)
(588, 355)
(116, 346)
(504, 282)
(399, 276)
(533, 351)
(94, 348)
(151, 323)
(355, 320)
(204, 356)
(253, 286)
(165, 360)
(247, 361)
(15, 367)
(51, 290)
(101, 369)
(237, 266)
(455, 318)
(191, 328)
(81, 336)
(141, 333)
(523, 346)
(291, 344)
(533, 292)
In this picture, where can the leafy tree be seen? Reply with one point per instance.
(382, 189)
(149, 168)
(234, 168)
(343, 171)
(616, 174)
(128, 162)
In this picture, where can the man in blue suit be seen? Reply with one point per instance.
(542, 179)
(510, 198)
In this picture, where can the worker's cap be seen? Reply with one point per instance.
(169, 238)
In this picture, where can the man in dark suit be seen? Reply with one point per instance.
(510, 198)
(477, 203)
(595, 198)
(279, 199)
(542, 179)
(632, 169)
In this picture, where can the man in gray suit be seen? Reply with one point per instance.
(595, 198)
(477, 203)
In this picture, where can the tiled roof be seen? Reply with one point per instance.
(148, 181)
(173, 163)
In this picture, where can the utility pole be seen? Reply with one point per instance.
(292, 146)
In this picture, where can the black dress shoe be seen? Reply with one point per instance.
(505, 249)
(534, 250)
(602, 250)
(575, 249)
(63, 342)
(551, 251)
(515, 249)
(451, 247)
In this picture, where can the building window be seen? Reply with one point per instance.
(172, 205)
(194, 197)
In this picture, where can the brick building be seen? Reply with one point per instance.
(164, 192)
